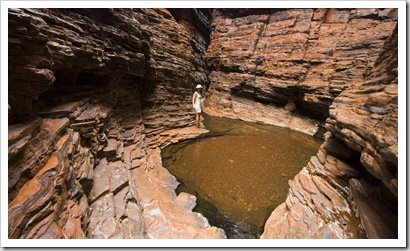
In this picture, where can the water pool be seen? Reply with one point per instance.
(239, 171)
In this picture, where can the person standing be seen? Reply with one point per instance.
(197, 100)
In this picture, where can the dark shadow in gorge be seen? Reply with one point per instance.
(218, 219)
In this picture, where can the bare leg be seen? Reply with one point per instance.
(198, 120)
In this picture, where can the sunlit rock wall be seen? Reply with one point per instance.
(349, 189)
(93, 94)
(285, 66)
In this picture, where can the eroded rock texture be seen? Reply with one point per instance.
(93, 94)
(349, 189)
(285, 66)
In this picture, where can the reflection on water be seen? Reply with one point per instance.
(239, 171)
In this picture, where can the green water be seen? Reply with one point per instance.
(239, 171)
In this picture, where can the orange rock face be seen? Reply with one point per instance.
(355, 172)
(308, 56)
(95, 93)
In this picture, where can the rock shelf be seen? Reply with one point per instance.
(94, 94)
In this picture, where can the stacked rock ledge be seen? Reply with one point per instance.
(86, 126)
(94, 94)
(349, 189)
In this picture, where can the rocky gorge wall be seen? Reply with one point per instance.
(95, 93)
(350, 188)
(318, 71)
(285, 66)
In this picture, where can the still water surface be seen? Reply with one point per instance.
(239, 171)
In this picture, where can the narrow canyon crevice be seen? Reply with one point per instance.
(94, 94)
(112, 87)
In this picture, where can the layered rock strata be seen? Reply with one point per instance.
(349, 189)
(93, 95)
(285, 66)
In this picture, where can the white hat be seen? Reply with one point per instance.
(198, 86)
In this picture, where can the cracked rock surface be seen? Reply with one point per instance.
(94, 94)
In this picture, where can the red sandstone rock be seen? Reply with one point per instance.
(99, 76)
(354, 137)
(123, 79)
(301, 54)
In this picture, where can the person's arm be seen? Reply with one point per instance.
(203, 97)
